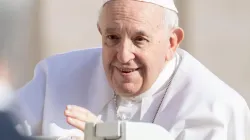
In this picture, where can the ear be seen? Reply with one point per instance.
(98, 27)
(176, 37)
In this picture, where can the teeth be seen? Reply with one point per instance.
(127, 70)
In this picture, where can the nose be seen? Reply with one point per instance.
(125, 52)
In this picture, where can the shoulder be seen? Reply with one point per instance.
(63, 69)
(205, 99)
(76, 54)
(70, 60)
(74, 57)
(206, 87)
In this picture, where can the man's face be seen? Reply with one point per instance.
(135, 45)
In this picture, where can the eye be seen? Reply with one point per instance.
(112, 40)
(112, 37)
(140, 39)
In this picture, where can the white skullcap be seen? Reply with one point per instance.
(169, 4)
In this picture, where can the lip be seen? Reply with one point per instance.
(127, 71)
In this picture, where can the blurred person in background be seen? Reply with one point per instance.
(7, 118)
(139, 74)
(6, 91)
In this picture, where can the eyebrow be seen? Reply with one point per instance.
(140, 32)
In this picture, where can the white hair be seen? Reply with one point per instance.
(171, 18)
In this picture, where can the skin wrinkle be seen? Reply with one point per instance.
(128, 20)
(134, 37)
(121, 13)
(120, 24)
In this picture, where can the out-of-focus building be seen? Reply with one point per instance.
(19, 26)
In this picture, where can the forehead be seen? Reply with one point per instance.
(130, 13)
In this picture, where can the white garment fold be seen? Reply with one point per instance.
(198, 105)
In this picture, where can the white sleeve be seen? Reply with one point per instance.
(30, 100)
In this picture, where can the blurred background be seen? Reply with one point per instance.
(217, 34)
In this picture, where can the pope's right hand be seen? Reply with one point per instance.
(78, 116)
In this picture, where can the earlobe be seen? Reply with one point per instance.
(169, 54)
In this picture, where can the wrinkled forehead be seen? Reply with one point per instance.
(132, 12)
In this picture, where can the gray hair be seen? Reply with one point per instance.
(171, 19)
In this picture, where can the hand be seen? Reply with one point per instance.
(78, 116)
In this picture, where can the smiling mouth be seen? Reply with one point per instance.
(127, 70)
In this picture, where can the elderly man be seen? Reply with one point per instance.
(139, 74)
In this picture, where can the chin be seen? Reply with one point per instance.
(128, 90)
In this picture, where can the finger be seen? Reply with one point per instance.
(76, 123)
(76, 115)
(80, 113)
(77, 108)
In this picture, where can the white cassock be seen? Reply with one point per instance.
(187, 100)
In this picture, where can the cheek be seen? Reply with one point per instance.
(108, 56)
(154, 61)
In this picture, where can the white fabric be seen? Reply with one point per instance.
(197, 106)
(169, 4)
